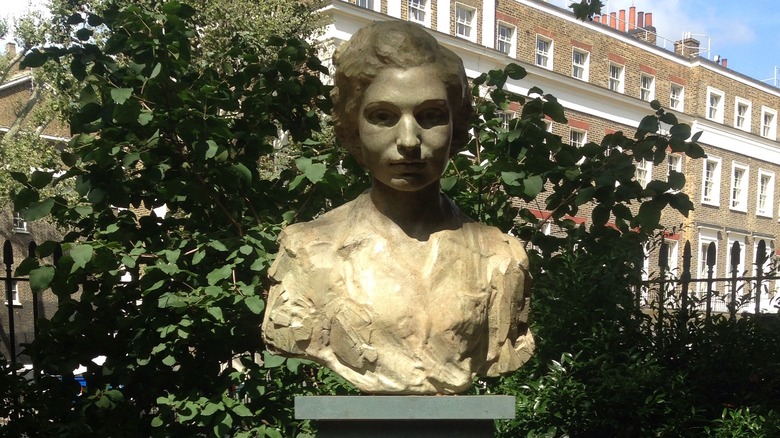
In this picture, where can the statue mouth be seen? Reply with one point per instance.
(408, 166)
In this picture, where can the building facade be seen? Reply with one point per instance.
(15, 93)
(605, 72)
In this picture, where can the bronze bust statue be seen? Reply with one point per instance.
(398, 291)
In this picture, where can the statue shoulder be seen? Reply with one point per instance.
(322, 230)
(496, 243)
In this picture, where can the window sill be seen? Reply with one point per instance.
(739, 209)
(14, 304)
(710, 203)
(21, 231)
(763, 214)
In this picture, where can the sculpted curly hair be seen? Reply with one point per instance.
(394, 44)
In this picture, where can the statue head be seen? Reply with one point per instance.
(400, 45)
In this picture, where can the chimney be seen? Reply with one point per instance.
(622, 21)
(10, 49)
(687, 47)
(724, 62)
(631, 18)
(640, 19)
(604, 19)
(613, 20)
(597, 18)
(648, 20)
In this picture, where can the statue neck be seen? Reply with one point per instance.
(418, 213)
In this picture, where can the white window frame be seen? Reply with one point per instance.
(676, 100)
(544, 58)
(373, 5)
(768, 129)
(583, 66)
(506, 117)
(711, 196)
(673, 253)
(738, 195)
(767, 192)
(746, 118)
(643, 167)
(14, 294)
(503, 42)
(18, 223)
(673, 163)
(646, 90)
(582, 137)
(616, 83)
(421, 7)
(714, 106)
(705, 237)
(466, 26)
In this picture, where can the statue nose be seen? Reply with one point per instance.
(408, 135)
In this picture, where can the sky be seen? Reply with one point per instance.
(746, 32)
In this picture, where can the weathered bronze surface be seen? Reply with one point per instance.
(398, 291)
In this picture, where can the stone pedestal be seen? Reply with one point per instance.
(405, 416)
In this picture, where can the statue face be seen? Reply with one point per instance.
(405, 126)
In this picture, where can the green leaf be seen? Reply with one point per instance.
(216, 312)
(212, 408)
(255, 304)
(242, 172)
(81, 255)
(155, 71)
(533, 185)
(219, 274)
(585, 195)
(515, 72)
(680, 131)
(34, 59)
(157, 422)
(600, 214)
(120, 95)
(241, 410)
(40, 278)
(84, 34)
(272, 360)
(315, 172)
(37, 210)
(648, 124)
(676, 180)
(169, 360)
(511, 178)
(40, 179)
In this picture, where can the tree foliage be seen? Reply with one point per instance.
(174, 301)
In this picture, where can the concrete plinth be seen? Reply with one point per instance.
(404, 416)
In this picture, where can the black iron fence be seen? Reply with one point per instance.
(739, 292)
(10, 285)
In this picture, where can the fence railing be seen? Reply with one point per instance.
(677, 290)
(10, 286)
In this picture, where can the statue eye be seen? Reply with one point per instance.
(382, 117)
(430, 117)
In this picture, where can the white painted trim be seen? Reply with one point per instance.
(14, 82)
(748, 118)
(43, 136)
(394, 8)
(443, 10)
(489, 23)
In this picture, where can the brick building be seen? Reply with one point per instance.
(14, 94)
(605, 72)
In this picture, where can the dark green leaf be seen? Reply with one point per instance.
(40, 278)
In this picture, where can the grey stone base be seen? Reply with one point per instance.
(404, 416)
